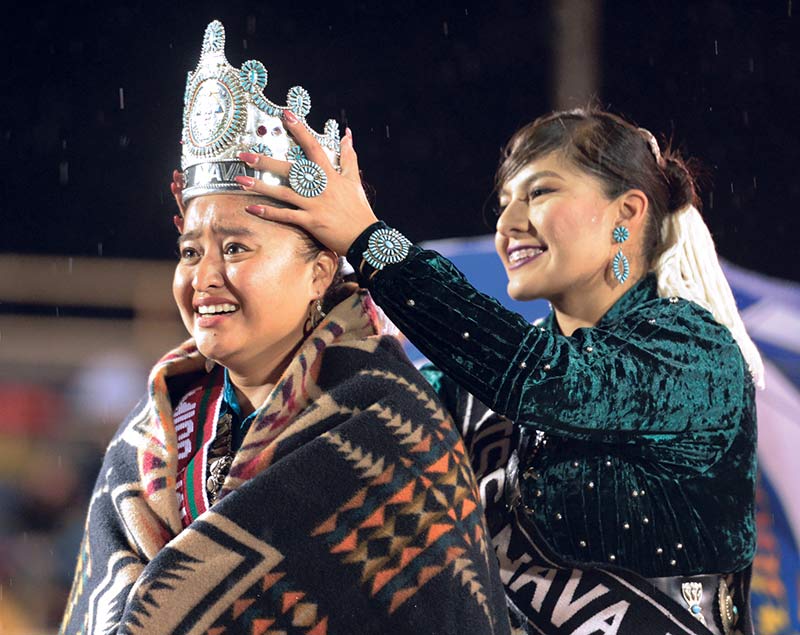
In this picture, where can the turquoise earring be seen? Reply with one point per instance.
(620, 265)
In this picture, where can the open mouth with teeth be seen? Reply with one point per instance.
(216, 309)
(524, 255)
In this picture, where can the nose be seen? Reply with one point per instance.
(514, 220)
(208, 273)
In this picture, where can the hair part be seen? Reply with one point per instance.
(617, 154)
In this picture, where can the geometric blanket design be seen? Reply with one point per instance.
(350, 508)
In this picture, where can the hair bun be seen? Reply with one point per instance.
(680, 183)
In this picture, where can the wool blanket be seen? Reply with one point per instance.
(351, 507)
(548, 595)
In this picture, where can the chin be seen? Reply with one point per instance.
(521, 293)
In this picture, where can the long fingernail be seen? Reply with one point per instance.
(248, 157)
(247, 181)
(289, 116)
(348, 133)
(253, 209)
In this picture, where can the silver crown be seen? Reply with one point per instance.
(225, 112)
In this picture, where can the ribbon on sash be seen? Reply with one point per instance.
(195, 418)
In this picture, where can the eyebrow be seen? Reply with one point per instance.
(533, 177)
(224, 230)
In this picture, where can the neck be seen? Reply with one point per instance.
(250, 392)
(255, 378)
(585, 308)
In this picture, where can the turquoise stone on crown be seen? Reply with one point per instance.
(226, 112)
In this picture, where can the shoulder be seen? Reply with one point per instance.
(376, 365)
(681, 331)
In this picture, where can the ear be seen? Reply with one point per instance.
(633, 206)
(325, 266)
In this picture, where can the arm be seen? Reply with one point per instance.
(662, 368)
(598, 384)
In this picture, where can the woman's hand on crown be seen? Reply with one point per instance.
(338, 214)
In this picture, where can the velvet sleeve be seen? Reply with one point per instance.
(661, 368)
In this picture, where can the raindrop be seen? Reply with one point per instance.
(63, 144)
(63, 172)
(244, 44)
(755, 183)
(387, 131)
(731, 187)
(124, 141)
(746, 117)
(711, 199)
(251, 24)
(121, 99)
(716, 47)
(58, 312)
(651, 61)
(99, 249)
(789, 8)
(751, 64)
(466, 11)
(69, 266)
(60, 461)
(445, 29)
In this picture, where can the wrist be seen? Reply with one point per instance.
(378, 246)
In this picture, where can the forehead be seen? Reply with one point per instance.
(207, 209)
(550, 165)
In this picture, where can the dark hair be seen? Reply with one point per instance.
(615, 152)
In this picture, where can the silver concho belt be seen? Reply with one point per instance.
(708, 598)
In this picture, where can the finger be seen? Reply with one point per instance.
(305, 139)
(264, 163)
(177, 178)
(279, 192)
(348, 159)
(279, 214)
(178, 222)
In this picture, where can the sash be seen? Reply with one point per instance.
(548, 595)
(195, 418)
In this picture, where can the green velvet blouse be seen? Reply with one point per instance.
(650, 420)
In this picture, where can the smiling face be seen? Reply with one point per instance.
(554, 234)
(243, 285)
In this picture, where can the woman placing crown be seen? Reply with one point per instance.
(288, 470)
(627, 503)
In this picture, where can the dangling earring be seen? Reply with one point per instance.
(315, 316)
(315, 320)
(620, 265)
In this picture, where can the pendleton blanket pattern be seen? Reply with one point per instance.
(350, 508)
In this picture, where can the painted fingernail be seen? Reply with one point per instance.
(289, 116)
(248, 157)
(253, 209)
(247, 181)
(348, 133)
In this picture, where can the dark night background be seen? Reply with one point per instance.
(92, 100)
